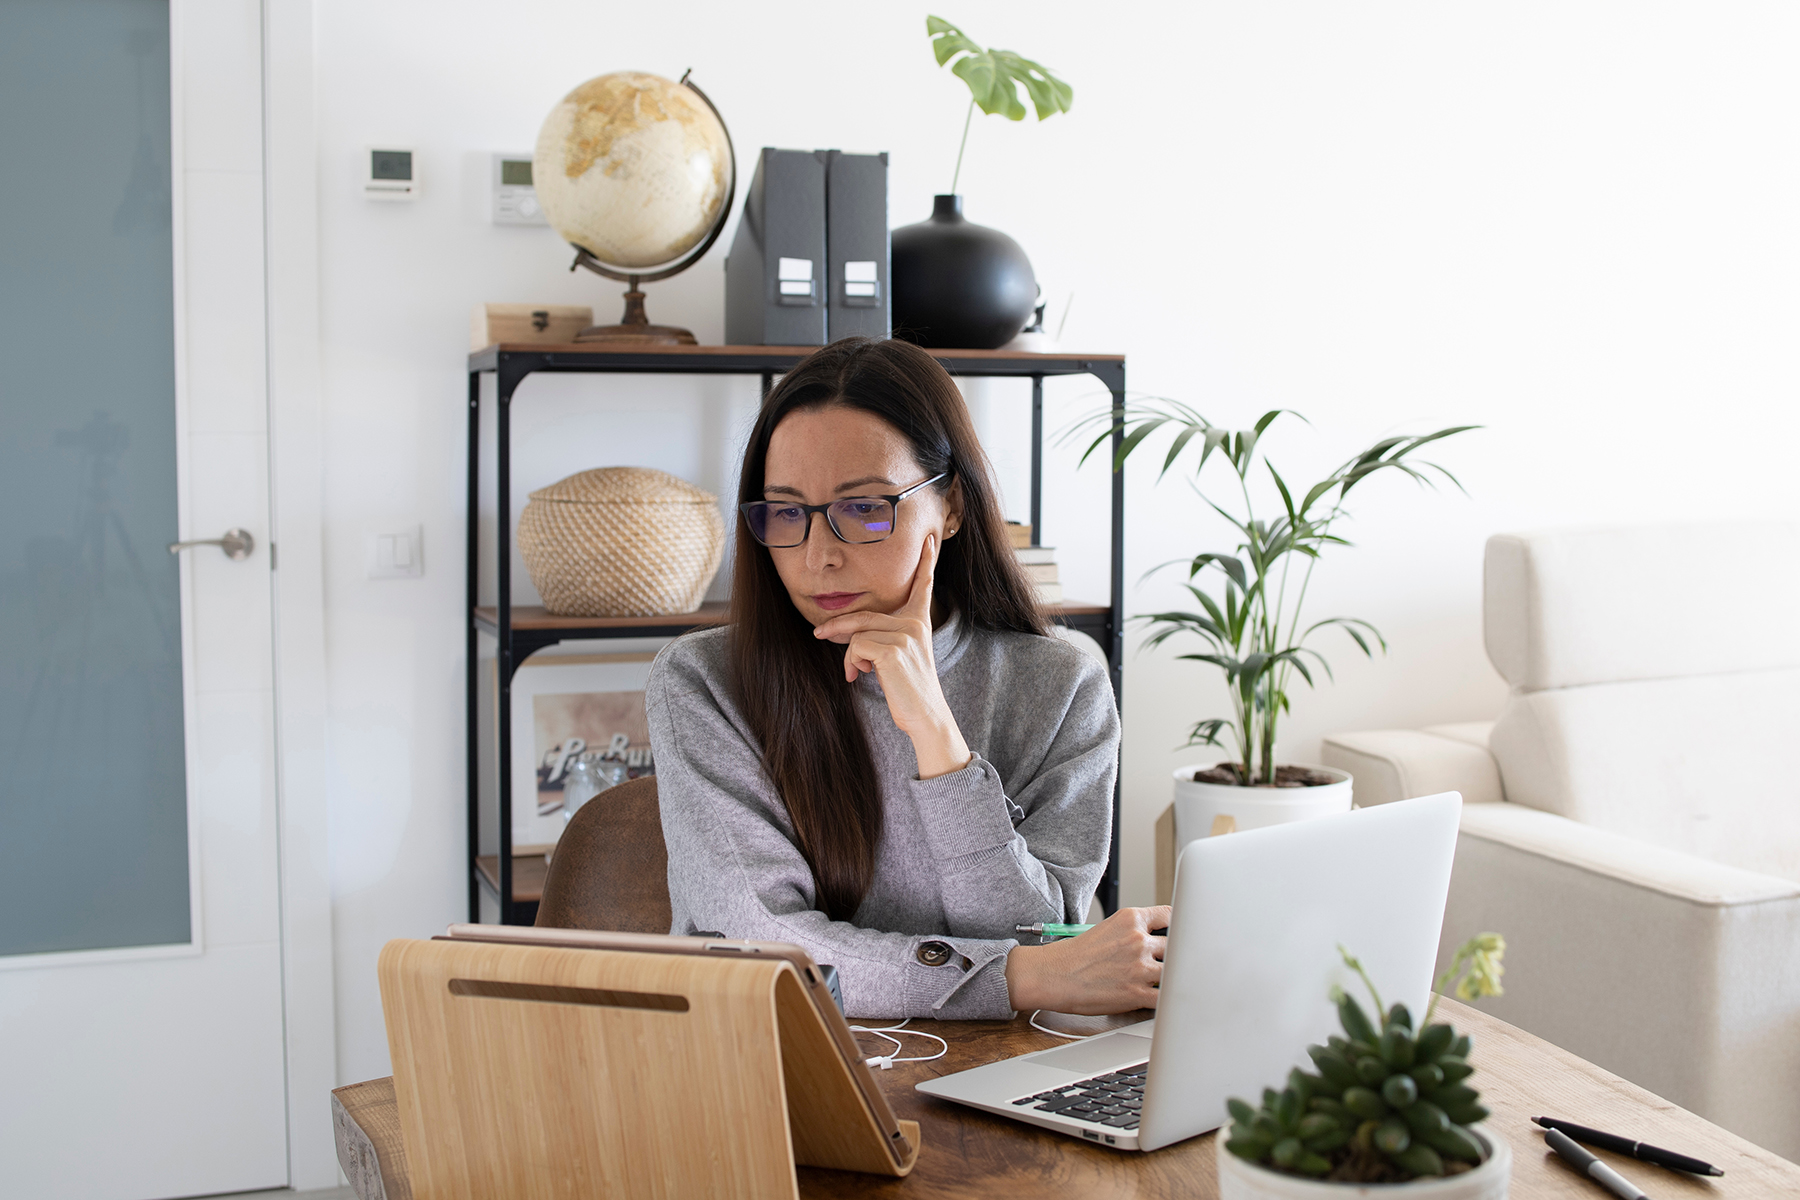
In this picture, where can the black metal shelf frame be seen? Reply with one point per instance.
(512, 364)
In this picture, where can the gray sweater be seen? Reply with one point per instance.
(1018, 836)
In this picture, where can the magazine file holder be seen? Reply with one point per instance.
(545, 1073)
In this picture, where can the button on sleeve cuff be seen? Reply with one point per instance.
(971, 987)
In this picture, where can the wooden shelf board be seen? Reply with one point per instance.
(777, 352)
(1080, 608)
(535, 617)
(529, 872)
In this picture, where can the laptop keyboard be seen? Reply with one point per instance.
(1113, 1099)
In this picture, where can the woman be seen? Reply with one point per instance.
(885, 758)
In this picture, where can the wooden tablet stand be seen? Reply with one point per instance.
(549, 1073)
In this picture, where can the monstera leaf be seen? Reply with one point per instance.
(995, 76)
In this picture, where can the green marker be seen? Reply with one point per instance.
(1053, 930)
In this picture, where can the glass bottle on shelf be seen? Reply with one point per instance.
(582, 783)
(611, 763)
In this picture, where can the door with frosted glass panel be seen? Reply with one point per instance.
(140, 969)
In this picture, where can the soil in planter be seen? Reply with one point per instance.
(1360, 1164)
(1355, 1164)
(1285, 777)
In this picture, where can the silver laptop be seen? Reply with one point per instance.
(1252, 954)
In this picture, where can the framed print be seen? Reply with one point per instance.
(566, 707)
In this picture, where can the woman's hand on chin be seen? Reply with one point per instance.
(897, 648)
(1114, 967)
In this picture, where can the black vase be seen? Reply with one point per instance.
(958, 285)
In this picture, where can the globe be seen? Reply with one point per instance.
(635, 169)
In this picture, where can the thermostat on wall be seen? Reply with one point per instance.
(389, 174)
(515, 199)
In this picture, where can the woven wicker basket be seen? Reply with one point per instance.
(621, 542)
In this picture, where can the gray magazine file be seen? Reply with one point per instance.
(856, 245)
(809, 261)
(775, 272)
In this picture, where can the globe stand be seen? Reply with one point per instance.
(634, 328)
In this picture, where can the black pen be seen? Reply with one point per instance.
(1629, 1148)
(1592, 1167)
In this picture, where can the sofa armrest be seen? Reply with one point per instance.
(1622, 859)
(1681, 974)
(1398, 764)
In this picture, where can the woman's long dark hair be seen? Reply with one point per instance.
(789, 685)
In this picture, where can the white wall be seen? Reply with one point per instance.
(1571, 223)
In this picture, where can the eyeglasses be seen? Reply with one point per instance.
(858, 520)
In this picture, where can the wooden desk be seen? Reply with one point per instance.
(971, 1154)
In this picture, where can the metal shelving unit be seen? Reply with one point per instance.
(519, 632)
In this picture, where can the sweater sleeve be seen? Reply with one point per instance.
(1035, 855)
(735, 869)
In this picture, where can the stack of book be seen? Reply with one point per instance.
(1039, 563)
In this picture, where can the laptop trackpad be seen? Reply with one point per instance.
(1095, 1054)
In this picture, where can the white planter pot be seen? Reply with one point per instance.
(1198, 804)
(1240, 1180)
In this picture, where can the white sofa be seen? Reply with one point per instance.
(1632, 823)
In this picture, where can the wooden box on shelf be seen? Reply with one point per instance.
(491, 323)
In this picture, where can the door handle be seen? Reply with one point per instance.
(237, 544)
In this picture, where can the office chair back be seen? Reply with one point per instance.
(611, 868)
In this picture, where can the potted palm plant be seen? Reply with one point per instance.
(1250, 604)
(1388, 1104)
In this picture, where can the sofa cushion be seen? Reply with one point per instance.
(1704, 765)
(1473, 733)
(1574, 607)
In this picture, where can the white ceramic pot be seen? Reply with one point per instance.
(1197, 805)
(1240, 1180)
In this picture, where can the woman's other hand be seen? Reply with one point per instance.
(897, 648)
(1114, 967)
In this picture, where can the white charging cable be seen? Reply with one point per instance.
(1073, 1037)
(886, 1061)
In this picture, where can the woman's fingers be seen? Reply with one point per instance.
(1153, 920)
(1115, 967)
(840, 629)
(856, 661)
(918, 601)
(878, 645)
(872, 649)
(897, 647)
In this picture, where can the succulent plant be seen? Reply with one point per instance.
(1388, 1102)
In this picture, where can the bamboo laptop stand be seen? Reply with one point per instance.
(545, 1072)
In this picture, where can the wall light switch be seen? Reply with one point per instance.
(398, 555)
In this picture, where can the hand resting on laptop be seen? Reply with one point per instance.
(1112, 968)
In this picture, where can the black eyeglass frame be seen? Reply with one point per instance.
(807, 510)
